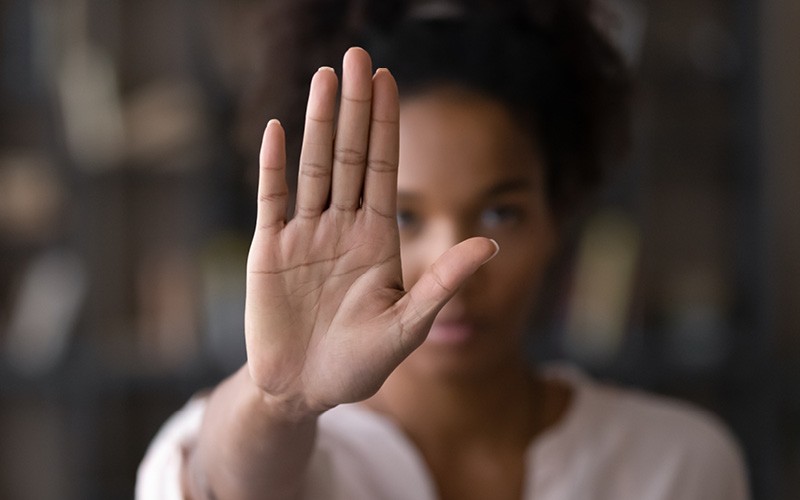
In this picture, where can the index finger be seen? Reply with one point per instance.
(314, 176)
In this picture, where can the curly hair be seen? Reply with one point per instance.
(544, 59)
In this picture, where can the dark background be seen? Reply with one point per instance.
(125, 214)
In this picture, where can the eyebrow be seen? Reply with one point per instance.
(504, 187)
(405, 195)
(509, 186)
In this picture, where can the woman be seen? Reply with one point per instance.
(384, 320)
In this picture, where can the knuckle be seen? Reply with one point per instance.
(436, 276)
(358, 100)
(321, 120)
(314, 170)
(349, 156)
(271, 225)
(382, 166)
(344, 206)
(307, 212)
(271, 197)
(375, 211)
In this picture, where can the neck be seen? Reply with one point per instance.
(507, 406)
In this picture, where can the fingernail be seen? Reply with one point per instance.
(381, 70)
(496, 250)
(273, 122)
(326, 68)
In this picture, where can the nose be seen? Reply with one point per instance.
(420, 252)
(444, 234)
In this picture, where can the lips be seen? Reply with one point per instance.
(451, 332)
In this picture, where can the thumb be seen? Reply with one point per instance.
(439, 283)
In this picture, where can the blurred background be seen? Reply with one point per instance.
(126, 210)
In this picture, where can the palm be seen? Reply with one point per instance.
(327, 318)
(329, 300)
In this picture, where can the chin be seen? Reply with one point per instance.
(461, 361)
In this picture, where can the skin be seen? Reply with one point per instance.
(333, 317)
(467, 397)
(468, 170)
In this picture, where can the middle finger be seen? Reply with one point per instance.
(352, 131)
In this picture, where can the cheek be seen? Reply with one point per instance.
(419, 249)
(518, 276)
(515, 276)
(412, 262)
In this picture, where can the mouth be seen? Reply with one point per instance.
(451, 332)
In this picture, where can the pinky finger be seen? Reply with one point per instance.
(272, 189)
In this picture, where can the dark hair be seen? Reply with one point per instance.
(544, 59)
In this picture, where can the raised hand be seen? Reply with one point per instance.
(327, 317)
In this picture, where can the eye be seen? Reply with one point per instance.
(407, 220)
(501, 216)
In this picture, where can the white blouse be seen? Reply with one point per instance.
(612, 444)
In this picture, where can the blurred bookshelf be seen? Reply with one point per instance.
(125, 215)
(124, 222)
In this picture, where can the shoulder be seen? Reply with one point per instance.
(644, 416)
(630, 433)
(668, 425)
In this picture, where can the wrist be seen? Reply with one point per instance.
(281, 409)
(249, 443)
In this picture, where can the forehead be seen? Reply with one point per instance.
(457, 140)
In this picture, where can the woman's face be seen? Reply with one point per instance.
(467, 169)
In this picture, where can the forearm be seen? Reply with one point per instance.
(247, 447)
